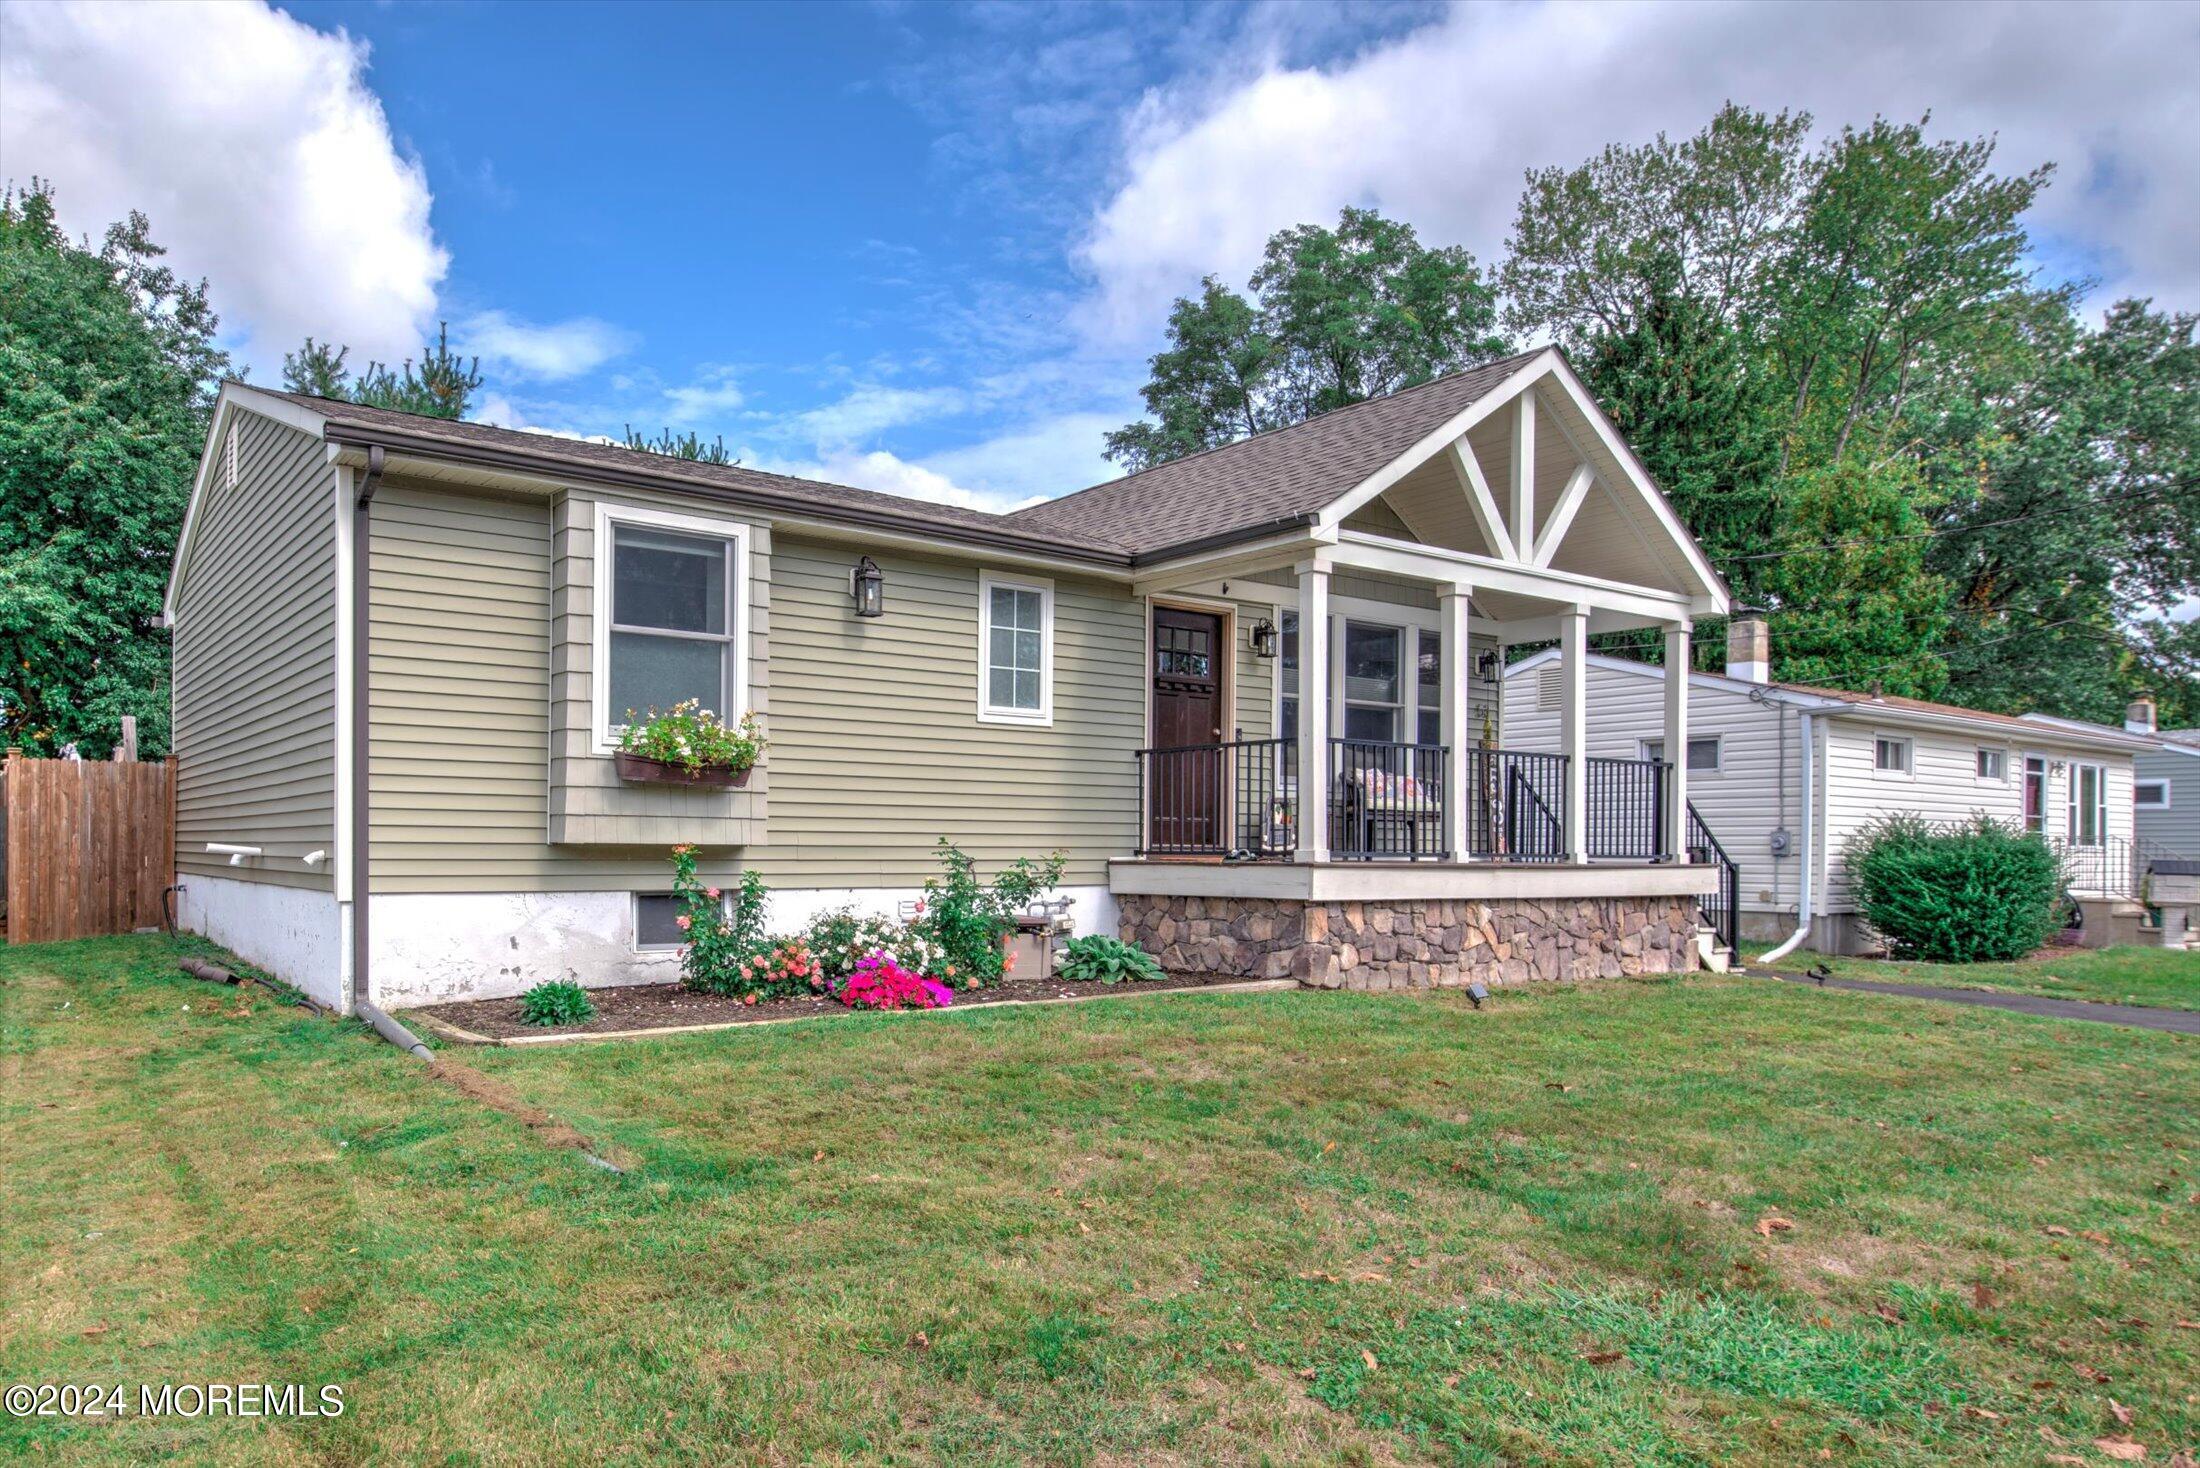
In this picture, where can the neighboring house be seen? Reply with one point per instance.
(402, 646)
(2166, 788)
(1784, 775)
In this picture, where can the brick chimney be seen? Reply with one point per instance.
(1748, 646)
(2139, 714)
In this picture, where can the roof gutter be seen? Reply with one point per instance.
(1304, 520)
(753, 497)
(362, 644)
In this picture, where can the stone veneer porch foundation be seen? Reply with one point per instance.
(1414, 943)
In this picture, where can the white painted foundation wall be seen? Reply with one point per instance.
(432, 948)
(292, 932)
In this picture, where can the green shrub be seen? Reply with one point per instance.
(556, 1002)
(727, 948)
(967, 919)
(1096, 958)
(1976, 891)
(841, 939)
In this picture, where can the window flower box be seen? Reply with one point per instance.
(689, 746)
(637, 769)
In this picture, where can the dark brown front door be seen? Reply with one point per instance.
(1187, 715)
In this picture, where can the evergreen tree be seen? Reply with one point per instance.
(443, 386)
(683, 446)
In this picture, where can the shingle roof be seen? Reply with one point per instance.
(617, 458)
(1272, 476)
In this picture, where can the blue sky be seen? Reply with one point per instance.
(927, 248)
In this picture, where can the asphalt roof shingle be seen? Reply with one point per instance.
(1272, 476)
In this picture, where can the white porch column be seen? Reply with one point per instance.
(1675, 834)
(1458, 733)
(1573, 728)
(1313, 814)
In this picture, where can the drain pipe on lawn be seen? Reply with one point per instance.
(1795, 939)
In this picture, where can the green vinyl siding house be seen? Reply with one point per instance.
(1252, 695)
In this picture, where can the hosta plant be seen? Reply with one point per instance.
(693, 738)
(556, 1002)
(1098, 959)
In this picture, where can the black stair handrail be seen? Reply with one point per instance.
(1721, 908)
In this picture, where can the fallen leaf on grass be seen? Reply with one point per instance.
(1370, 1276)
(1323, 1275)
(1556, 1086)
(818, 1155)
(1981, 1414)
(1306, 1373)
(2093, 1235)
(1773, 1223)
(2122, 1449)
(96, 1332)
(2188, 1324)
(921, 1341)
(1237, 1348)
(1369, 1358)
(2098, 1378)
(2120, 1412)
(1328, 1147)
(1452, 1380)
(1603, 1358)
(2057, 1231)
(1982, 1298)
(1889, 1314)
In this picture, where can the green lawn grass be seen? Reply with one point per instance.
(1292, 1227)
(2150, 976)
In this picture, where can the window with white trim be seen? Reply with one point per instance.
(2150, 794)
(1374, 682)
(668, 609)
(1703, 753)
(1993, 764)
(1428, 709)
(1891, 756)
(1287, 696)
(1015, 650)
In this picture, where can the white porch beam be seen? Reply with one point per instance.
(1573, 728)
(1313, 814)
(1270, 554)
(1440, 566)
(1676, 740)
(1475, 485)
(1453, 625)
(1523, 480)
(1562, 514)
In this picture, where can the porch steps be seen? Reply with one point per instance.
(1711, 953)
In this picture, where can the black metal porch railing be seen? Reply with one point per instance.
(1237, 799)
(1517, 803)
(1722, 906)
(1624, 809)
(1387, 801)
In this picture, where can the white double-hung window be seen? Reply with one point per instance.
(670, 602)
(1015, 650)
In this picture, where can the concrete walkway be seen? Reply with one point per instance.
(2176, 1021)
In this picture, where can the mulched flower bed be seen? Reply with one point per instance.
(656, 1006)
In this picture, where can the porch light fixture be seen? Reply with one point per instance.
(1486, 666)
(867, 583)
(1477, 992)
(1264, 638)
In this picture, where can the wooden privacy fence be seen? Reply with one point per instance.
(90, 847)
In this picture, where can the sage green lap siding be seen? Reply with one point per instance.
(254, 679)
(876, 745)
(876, 749)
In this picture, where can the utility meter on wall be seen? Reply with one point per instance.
(1780, 841)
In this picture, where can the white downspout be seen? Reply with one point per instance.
(1810, 856)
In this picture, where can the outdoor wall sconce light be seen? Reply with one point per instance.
(867, 583)
(1486, 666)
(1264, 638)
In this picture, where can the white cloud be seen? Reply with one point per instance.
(554, 352)
(870, 409)
(879, 470)
(1033, 461)
(255, 146)
(1437, 127)
(713, 391)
